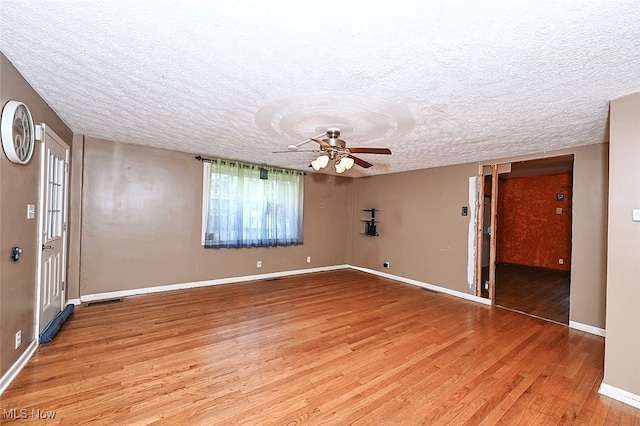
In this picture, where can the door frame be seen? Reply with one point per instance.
(492, 170)
(42, 133)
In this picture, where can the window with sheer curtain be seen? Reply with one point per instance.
(246, 205)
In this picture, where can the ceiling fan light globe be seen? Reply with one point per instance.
(340, 168)
(348, 163)
(315, 165)
(322, 160)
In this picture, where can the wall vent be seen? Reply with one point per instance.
(105, 302)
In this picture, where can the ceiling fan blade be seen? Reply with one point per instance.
(370, 150)
(300, 150)
(321, 142)
(360, 162)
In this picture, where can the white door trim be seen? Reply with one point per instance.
(42, 133)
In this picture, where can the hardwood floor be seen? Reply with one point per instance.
(536, 291)
(341, 347)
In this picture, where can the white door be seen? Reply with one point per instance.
(54, 167)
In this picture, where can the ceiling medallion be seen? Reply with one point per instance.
(363, 119)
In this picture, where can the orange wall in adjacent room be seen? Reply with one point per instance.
(530, 230)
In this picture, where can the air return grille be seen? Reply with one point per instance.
(105, 302)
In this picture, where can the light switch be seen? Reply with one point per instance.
(636, 215)
(31, 211)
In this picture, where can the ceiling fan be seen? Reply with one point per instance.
(334, 148)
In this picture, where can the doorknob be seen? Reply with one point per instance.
(46, 247)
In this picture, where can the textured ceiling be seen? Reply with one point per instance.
(437, 82)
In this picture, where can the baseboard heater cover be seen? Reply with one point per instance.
(54, 326)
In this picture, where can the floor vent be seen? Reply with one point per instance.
(273, 279)
(105, 302)
(430, 291)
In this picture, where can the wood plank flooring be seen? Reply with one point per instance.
(536, 291)
(338, 348)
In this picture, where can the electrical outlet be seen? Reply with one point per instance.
(308, 259)
(259, 264)
(385, 264)
(561, 261)
(486, 285)
(18, 339)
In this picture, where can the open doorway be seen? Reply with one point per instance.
(486, 235)
(530, 254)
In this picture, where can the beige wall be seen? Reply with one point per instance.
(3, 251)
(422, 232)
(424, 236)
(75, 217)
(141, 223)
(622, 348)
(19, 187)
(589, 235)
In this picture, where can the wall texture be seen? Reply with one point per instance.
(141, 223)
(424, 237)
(19, 187)
(622, 348)
(422, 232)
(589, 235)
(530, 230)
(3, 253)
(75, 217)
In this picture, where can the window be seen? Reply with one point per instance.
(246, 205)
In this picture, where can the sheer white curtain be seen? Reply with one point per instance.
(253, 206)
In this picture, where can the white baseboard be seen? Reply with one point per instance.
(588, 328)
(620, 395)
(433, 287)
(12, 373)
(195, 284)
(74, 302)
(149, 290)
(171, 287)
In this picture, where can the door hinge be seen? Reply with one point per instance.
(66, 167)
(64, 226)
